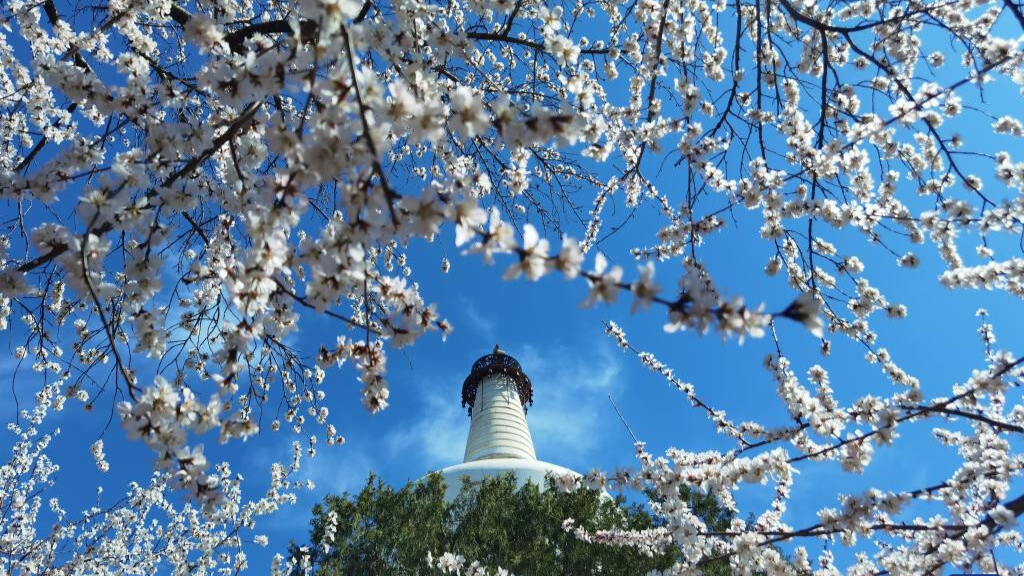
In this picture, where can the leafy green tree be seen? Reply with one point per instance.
(387, 532)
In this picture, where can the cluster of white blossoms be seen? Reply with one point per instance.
(649, 542)
(162, 418)
(980, 511)
(184, 183)
(457, 565)
(147, 530)
(100, 456)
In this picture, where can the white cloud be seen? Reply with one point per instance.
(477, 321)
(438, 437)
(571, 415)
(337, 469)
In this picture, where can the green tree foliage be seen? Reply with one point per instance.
(382, 531)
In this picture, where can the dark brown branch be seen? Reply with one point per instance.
(245, 118)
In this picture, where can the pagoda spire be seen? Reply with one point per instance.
(497, 393)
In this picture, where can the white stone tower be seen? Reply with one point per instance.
(497, 392)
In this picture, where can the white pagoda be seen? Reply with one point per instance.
(497, 393)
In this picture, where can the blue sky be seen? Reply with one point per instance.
(575, 367)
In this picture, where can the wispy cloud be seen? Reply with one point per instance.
(437, 438)
(337, 469)
(570, 416)
(476, 320)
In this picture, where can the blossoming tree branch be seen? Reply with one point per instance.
(277, 157)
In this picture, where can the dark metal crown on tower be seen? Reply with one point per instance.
(497, 362)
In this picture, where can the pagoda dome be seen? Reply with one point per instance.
(497, 393)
